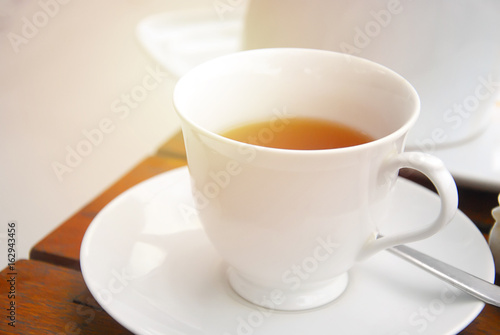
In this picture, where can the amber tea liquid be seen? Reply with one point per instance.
(298, 134)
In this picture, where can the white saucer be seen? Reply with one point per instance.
(149, 265)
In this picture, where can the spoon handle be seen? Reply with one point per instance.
(477, 287)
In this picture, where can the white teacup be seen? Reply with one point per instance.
(446, 49)
(291, 223)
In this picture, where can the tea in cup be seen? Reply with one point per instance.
(293, 154)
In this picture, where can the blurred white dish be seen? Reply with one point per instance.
(494, 239)
(446, 49)
(180, 40)
(148, 263)
(475, 163)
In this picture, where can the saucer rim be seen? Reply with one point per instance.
(474, 310)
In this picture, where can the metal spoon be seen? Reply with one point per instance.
(476, 287)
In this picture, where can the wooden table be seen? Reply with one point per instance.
(52, 298)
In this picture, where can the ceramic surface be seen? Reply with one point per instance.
(268, 209)
(149, 264)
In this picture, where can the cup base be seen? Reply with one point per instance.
(297, 298)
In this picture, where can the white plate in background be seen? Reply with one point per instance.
(476, 163)
(180, 40)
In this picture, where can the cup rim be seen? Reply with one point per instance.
(399, 132)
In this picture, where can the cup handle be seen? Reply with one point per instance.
(435, 170)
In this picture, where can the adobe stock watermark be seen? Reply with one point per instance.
(426, 315)
(116, 284)
(85, 313)
(219, 180)
(223, 6)
(365, 34)
(121, 109)
(455, 116)
(31, 26)
(300, 273)
(11, 273)
(293, 278)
